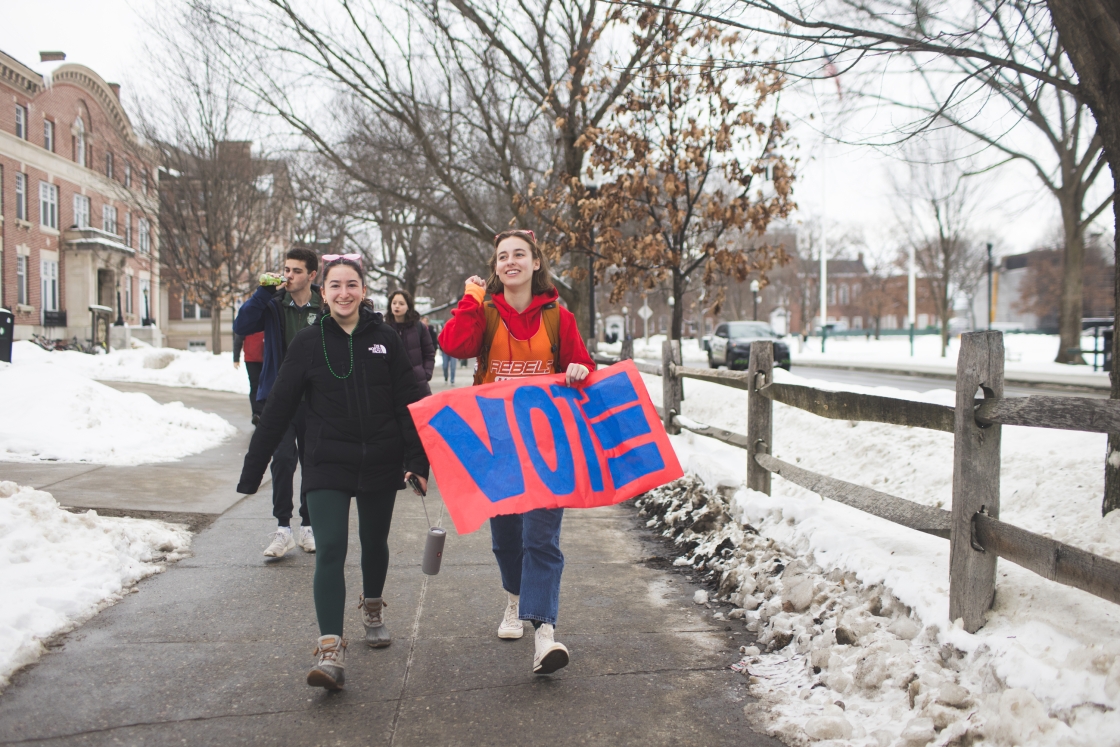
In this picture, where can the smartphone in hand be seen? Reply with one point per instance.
(415, 483)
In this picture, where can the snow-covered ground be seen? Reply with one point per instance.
(58, 569)
(144, 365)
(52, 412)
(1023, 353)
(855, 609)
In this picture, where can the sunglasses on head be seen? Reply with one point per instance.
(526, 231)
(329, 259)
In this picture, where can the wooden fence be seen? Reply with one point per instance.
(975, 533)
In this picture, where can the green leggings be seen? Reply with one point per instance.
(330, 518)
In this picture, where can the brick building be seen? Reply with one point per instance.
(77, 196)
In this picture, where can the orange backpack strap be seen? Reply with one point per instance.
(550, 318)
(493, 319)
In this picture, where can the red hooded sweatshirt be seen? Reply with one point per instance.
(462, 335)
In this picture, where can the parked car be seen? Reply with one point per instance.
(731, 345)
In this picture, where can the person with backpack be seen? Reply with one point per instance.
(351, 373)
(404, 318)
(280, 312)
(522, 331)
(253, 348)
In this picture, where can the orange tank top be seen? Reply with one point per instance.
(511, 358)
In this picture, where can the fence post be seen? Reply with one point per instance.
(760, 410)
(627, 349)
(671, 389)
(976, 463)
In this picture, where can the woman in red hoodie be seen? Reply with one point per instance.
(535, 336)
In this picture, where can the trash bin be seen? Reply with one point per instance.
(7, 329)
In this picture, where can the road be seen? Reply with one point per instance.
(926, 383)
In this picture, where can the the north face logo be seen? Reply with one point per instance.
(378, 350)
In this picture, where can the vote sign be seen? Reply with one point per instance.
(513, 446)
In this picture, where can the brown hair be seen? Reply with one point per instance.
(542, 280)
(353, 266)
(409, 316)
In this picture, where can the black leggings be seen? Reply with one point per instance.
(330, 518)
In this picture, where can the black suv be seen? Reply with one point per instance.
(731, 345)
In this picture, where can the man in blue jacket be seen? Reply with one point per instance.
(280, 311)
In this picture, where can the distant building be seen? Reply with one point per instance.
(1026, 291)
(77, 200)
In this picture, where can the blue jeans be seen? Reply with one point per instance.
(448, 364)
(527, 547)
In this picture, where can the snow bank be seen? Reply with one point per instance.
(58, 569)
(144, 365)
(863, 617)
(53, 413)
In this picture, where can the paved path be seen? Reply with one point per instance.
(215, 650)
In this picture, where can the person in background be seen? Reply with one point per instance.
(522, 331)
(253, 348)
(280, 312)
(431, 331)
(449, 364)
(350, 372)
(417, 340)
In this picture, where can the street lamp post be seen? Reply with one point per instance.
(989, 287)
(754, 291)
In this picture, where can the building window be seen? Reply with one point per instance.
(81, 211)
(48, 273)
(109, 219)
(844, 295)
(21, 280)
(128, 175)
(923, 321)
(832, 294)
(146, 298)
(855, 292)
(194, 311)
(109, 165)
(21, 122)
(80, 141)
(48, 205)
(144, 180)
(144, 237)
(48, 135)
(128, 229)
(128, 294)
(21, 196)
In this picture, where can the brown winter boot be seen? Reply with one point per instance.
(373, 617)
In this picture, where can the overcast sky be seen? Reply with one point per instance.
(852, 187)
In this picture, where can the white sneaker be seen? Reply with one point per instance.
(549, 655)
(307, 539)
(511, 627)
(282, 541)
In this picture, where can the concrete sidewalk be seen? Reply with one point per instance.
(215, 650)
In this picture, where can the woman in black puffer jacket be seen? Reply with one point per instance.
(404, 318)
(352, 370)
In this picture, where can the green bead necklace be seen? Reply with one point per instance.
(349, 341)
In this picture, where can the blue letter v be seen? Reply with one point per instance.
(497, 473)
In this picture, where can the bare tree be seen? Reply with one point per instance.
(935, 206)
(877, 296)
(221, 210)
(1089, 31)
(495, 99)
(959, 92)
